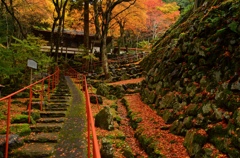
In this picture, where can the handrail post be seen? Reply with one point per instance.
(42, 94)
(93, 150)
(52, 82)
(58, 75)
(48, 88)
(55, 79)
(30, 105)
(8, 128)
(88, 116)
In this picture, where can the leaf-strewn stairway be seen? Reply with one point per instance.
(48, 132)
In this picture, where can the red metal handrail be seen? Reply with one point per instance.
(90, 121)
(55, 80)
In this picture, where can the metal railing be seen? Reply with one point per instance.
(51, 84)
(90, 120)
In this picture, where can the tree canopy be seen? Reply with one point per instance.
(129, 21)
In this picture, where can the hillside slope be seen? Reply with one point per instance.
(193, 78)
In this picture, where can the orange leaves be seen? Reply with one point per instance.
(168, 144)
(33, 12)
(227, 54)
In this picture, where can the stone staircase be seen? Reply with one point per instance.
(44, 134)
(125, 72)
(120, 72)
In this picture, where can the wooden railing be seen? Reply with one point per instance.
(63, 50)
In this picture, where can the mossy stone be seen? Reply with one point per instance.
(22, 119)
(106, 150)
(127, 152)
(104, 119)
(194, 141)
(20, 129)
(103, 89)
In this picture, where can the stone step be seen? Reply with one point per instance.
(62, 86)
(55, 109)
(41, 138)
(60, 97)
(58, 100)
(51, 120)
(52, 114)
(60, 94)
(57, 105)
(59, 90)
(46, 127)
(34, 150)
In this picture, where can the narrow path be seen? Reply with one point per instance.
(72, 139)
(137, 80)
(129, 132)
(170, 145)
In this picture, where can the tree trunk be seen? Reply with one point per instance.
(96, 20)
(86, 24)
(198, 3)
(86, 30)
(52, 35)
(10, 10)
(104, 55)
(58, 38)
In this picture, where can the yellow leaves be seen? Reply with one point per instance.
(32, 12)
(168, 8)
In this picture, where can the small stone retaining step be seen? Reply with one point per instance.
(61, 94)
(58, 100)
(57, 105)
(52, 114)
(34, 150)
(60, 97)
(46, 127)
(42, 138)
(51, 120)
(55, 109)
(62, 91)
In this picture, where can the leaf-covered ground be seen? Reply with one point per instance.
(169, 145)
(15, 109)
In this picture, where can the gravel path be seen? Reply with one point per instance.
(72, 137)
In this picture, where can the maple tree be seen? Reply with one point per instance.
(24, 14)
(131, 21)
(103, 12)
(181, 3)
(59, 10)
(170, 13)
(160, 16)
(153, 19)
